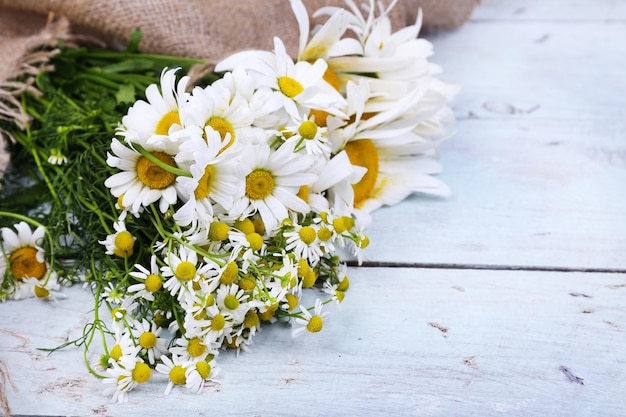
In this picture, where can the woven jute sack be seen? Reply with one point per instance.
(208, 29)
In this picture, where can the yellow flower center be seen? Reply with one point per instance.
(124, 243)
(41, 292)
(289, 87)
(255, 240)
(152, 175)
(204, 185)
(303, 192)
(339, 224)
(344, 284)
(292, 301)
(259, 184)
(324, 234)
(308, 130)
(141, 373)
(196, 348)
(307, 234)
(363, 153)
(24, 264)
(116, 352)
(185, 271)
(365, 242)
(303, 268)
(231, 302)
(259, 226)
(245, 226)
(204, 369)
(331, 78)
(218, 231)
(169, 119)
(230, 273)
(177, 375)
(246, 283)
(315, 324)
(223, 127)
(218, 322)
(153, 283)
(309, 279)
(147, 340)
(251, 320)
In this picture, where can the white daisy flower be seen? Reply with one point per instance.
(150, 280)
(159, 116)
(124, 378)
(224, 110)
(120, 243)
(298, 87)
(56, 157)
(181, 271)
(23, 251)
(233, 301)
(304, 243)
(147, 334)
(306, 135)
(44, 289)
(214, 176)
(202, 371)
(273, 180)
(312, 323)
(112, 294)
(142, 181)
(176, 370)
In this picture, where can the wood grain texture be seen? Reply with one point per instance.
(538, 169)
(409, 342)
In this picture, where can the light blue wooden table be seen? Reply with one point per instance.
(507, 299)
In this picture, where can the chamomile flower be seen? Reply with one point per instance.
(312, 323)
(43, 289)
(24, 252)
(298, 87)
(113, 294)
(223, 110)
(233, 301)
(307, 136)
(199, 373)
(181, 270)
(304, 243)
(214, 176)
(150, 280)
(160, 115)
(56, 157)
(147, 176)
(273, 180)
(147, 335)
(176, 370)
(121, 243)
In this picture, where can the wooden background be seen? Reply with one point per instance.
(507, 299)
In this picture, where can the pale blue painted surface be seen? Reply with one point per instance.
(538, 168)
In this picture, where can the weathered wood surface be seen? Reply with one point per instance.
(484, 318)
(415, 342)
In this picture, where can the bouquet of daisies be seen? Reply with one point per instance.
(222, 204)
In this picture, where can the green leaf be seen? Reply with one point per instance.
(125, 94)
(135, 38)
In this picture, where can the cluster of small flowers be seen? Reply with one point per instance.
(235, 197)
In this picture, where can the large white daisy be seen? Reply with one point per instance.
(24, 252)
(273, 179)
(142, 181)
(160, 114)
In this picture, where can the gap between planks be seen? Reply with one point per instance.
(375, 264)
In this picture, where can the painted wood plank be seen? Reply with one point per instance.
(409, 342)
(546, 194)
(534, 70)
(563, 10)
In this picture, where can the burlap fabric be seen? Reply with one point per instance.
(208, 29)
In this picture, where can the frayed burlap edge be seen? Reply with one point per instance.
(19, 76)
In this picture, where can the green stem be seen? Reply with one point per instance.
(159, 163)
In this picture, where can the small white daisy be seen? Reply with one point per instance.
(24, 252)
(312, 323)
(150, 280)
(147, 335)
(176, 370)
